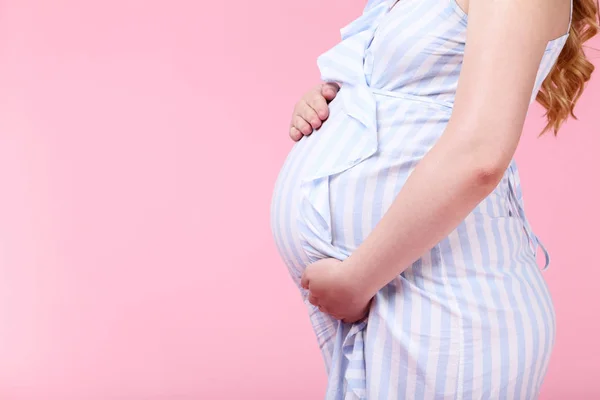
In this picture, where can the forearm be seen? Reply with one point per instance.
(443, 189)
(469, 159)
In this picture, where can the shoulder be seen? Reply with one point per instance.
(544, 19)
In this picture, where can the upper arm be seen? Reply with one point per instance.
(506, 40)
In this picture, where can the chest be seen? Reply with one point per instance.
(417, 36)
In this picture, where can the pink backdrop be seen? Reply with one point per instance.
(139, 144)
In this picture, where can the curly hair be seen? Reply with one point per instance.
(565, 83)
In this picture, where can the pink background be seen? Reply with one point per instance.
(139, 144)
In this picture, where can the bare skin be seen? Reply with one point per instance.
(312, 109)
(505, 43)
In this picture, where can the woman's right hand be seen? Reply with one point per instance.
(312, 109)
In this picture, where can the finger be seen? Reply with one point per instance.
(304, 281)
(308, 113)
(319, 105)
(354, 319)
(302, 125)
(336, 316)
(350, 320)
(295, 134)
(313, 300)
(324, 310)
(329, 90)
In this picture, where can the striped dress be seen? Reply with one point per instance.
(472, 318)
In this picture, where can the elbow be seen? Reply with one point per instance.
(485, 166)
(488, 172)
(486, 154)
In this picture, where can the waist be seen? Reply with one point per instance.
(411, 97)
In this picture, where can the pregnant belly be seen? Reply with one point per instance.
(319, 212)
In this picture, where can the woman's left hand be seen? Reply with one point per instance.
(334, 292)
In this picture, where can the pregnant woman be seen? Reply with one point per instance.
(401, 217)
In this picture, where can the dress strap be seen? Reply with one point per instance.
(570, 15)
(374, 3)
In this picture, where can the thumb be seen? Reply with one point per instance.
(329, 90)
(304, 281)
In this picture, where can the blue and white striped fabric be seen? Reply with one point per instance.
(472, 318)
